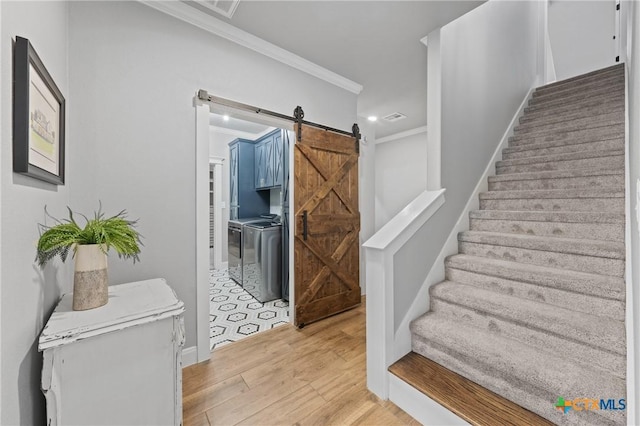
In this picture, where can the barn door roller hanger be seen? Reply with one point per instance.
(298, 115)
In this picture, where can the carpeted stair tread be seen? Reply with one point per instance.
(555, 174)
(610, 180)
(563, 113)
(572, 160)
(494, 310)
(610, 81)
(525, 286)
(570, 125)
(603, 286)
(583, 247)
(574, 145)
(529, 376)
(533, 223)
(554, 216)
(613, 180)
(569, 135)
(564, 194)
(554, 158)
(617, 69)
(574, 97)
(611, 205)
(602, 113)
(584, 84)
(592, 256)
(613, 96)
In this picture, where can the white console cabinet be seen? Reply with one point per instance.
(120, 364)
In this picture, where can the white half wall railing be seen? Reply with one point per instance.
(379, 252)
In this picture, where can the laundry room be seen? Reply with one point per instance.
(248, 250)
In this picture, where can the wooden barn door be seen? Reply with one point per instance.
(327, 224)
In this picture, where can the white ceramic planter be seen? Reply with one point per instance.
(90, 281)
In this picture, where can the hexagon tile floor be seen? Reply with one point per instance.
(234, 314)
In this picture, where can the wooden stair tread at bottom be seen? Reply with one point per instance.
(466, 399)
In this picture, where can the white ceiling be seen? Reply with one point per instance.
(374, 43)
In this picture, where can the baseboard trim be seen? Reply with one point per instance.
(420, 304)
(189, 356)
(419, 406)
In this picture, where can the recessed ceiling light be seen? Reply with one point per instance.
(225, 117)
(372, 118)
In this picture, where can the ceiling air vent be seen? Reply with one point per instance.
(396, 116)
(225, 8)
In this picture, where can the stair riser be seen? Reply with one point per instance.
(526, 391)
(553, 148)
(611, 82)
(561, 85)
(605, 181)
(615, 100)
(577, 349)
(613, 162)
(593, 231)
(575, 97)
(574, 262)
(580, 124)
(579, 302)
(609, 205)
(570, 136)
(612, 144)
(560, 121)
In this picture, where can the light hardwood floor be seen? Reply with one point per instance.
(313, 376)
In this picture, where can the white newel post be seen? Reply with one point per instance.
(380, 322)
(380, 252)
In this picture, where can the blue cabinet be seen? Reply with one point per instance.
(268, 160)
(244, 200)
(264, 162)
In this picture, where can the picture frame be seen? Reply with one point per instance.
(38, 118)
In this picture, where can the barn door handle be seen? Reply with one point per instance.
(305, 227)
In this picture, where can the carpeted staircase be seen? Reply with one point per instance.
(533, 306)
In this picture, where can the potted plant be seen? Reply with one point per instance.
(90, 246)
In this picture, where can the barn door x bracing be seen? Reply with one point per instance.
(327, 224)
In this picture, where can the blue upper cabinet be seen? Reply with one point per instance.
(268, 157)
(244, 200)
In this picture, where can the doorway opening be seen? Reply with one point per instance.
(248, 286)
(323, 242)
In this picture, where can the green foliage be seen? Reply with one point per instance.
(115, 231)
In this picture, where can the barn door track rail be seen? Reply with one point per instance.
(298, 115)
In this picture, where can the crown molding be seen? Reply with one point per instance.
(188, 14)
(400, 135)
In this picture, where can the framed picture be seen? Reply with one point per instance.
(38, 117)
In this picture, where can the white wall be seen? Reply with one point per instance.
(634, 173)
(28, 294)
(581, 35)
(488, 66)
(135, 72)
(400, 175)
